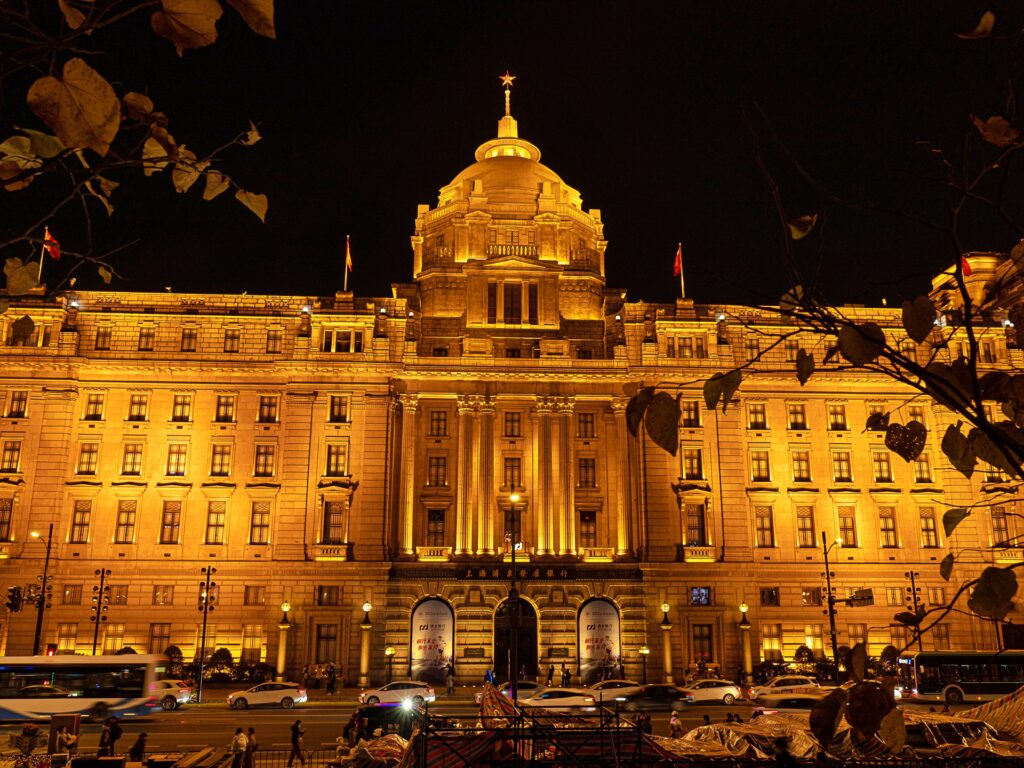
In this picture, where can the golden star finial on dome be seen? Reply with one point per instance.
(507, 79)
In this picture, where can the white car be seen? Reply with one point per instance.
(608, 690)
(171, 693)
(712, 690)
(527, 688)
(284, 695)
(770, 704)
(562, 700)
(397, 692)
(785, 684)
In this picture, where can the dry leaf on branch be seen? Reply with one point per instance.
(996, 131)
(81, 107)
(137, 106)
(801, 226)
(984, 28)
(252, 136)
(255, 203)
(258, 14)
(216, 182)
(188, 23)
(74, 17)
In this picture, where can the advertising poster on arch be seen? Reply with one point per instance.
(598, 632)
(432, 641)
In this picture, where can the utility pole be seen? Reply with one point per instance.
(912, 592)
(206, 600)
(513, 606)
(43, 598)
(826, 548)
(100, 600)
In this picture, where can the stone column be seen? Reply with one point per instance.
(407, 500)
(618, 457)
(666, 645)
(566, 479)
(282, 647)
(364, 653)
(464, 462)
(748, 658)
(542, 454)
(485, 483)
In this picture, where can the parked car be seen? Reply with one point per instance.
(526, 688)
(608, 690)
(284, 695)
(562, 700)
(712, 690)
(397, 692)
(770, 704)
(171, 693)
(785, 684)
(656, 697)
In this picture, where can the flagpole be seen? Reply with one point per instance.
(42, 258)
(345, 287)
(682, 285)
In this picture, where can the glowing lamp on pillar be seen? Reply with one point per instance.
(389, 653)
(644, 652)
(513, 602)
(748, 660)
(364, 646)
(666, 644)
(282, 640)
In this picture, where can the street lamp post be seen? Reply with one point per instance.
(666, 647)
(826, 548)
(206, 601)
(43, 590)
(364, 648)
(513, 606)
(100, 599)
(644, 652)
(389, 653)
(282, 640)
(748, 658)
(912, 592)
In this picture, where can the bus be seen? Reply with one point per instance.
(958, 676)
(96, 687)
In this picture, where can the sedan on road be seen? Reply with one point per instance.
(397, 692)
(284, 695)
(785, 684)
(608, 690)
(712, 690)
(526, 688)
(171, 693)
(656, 697)
(562, 700)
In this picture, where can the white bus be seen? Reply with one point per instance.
(96, 687)
(959, 676)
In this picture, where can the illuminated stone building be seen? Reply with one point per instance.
(333, 451)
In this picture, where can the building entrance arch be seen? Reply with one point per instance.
(527, 640)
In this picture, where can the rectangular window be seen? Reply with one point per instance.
(328, 595)
(146, 336)
(182, 410)
(810, 596)
(512, 293)
(513, 352)
(326, 643)
(138, 407)
(343, 340)
(693, 465)
(882, 466)
(797, 415)
(10, 457)
(264, 465)
(690, 413)
(170, 522)
(492, 303)
(216, 514)
(252, 645)
(131, 459)
(124, 533)
(814, 640)
(67, 638)
(703, 647)
(753, 347)
(670, 347)
(588, 528)
(188, 339)
(437, 471)
(177, 459)
(259, 523)
(163, 594)
(769, 596)
(929, 534)
(765, 526)
(685, 346)
(102, 338)
(696, 530)
(225, 409)
(439, 352)
(435, 527)
(513, 424)
(587, 477)
(987, 352)
(6, 513)
(937, 595)
(801, 466)
(701, 596)
(334, 523)
(438, 424)
(1000, 527)
(837, 416)
(159, 637)
(923, 469)
(792, 348)
(847, 527)
(887, 527)
(858, 633)
(80, 522)
(916, 413)
(232, 339)
(585, 427)
(771, 642)
(893, 596)
(805, 528)
(275, 337)
(339, 409)
(757, 417)
(940, 636)
(337, 460)
(94, 407)
(760, 471)
(842, 471)
(113, 638)
(17, 406)
(532, 303)
(268, 409)
(119, 594)
(254, 595)
(88, 458)
(513, 472)
(72, 594)
(220, 460)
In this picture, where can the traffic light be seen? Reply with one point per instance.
(13, 599)
(51, 649)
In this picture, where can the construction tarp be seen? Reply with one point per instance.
(1006, 715)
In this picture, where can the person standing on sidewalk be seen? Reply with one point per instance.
(297, 733)
(249, 757)
(104, 748)
(238, 745)
(115, 734)
(137, 754)
(449, 679)
(551, 674)
(332, 680)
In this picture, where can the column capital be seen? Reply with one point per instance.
(409, 401)
(466, 404)
(564, 406)
(618, 405)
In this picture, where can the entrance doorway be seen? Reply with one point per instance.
(527, 640)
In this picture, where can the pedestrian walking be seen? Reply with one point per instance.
(307, 678)
(137, 754)
(332, 679)
(522, 672)
(449, 679)
(115, 734)
(249, 756)
(104, 748)
(297, 733)
(551, 674)
(238, 744)
(566, 678)
(674, 726)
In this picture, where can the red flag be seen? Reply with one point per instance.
(348, 254)
(965, 266)
(51, 245)
(677, 268)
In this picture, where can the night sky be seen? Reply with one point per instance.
(368, 108)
